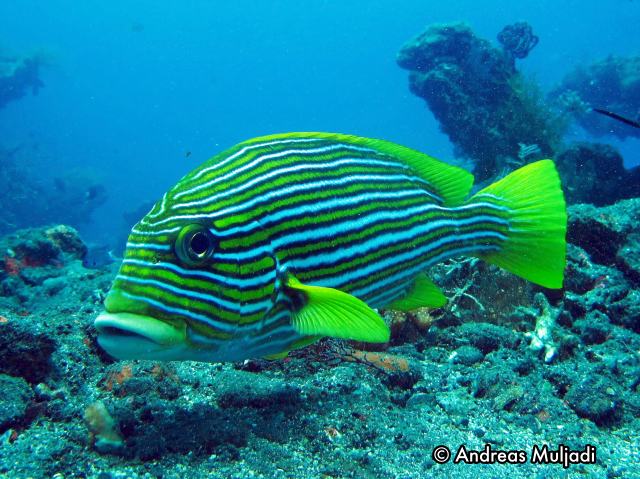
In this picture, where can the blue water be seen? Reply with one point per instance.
(144, 91)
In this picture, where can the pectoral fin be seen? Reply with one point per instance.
(330, 312)
(423, 294)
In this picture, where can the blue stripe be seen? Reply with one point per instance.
(232, 307)
(285, 192)
(291, 168)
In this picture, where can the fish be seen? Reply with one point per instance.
(285, 239)
(620, 118)
(98, 256)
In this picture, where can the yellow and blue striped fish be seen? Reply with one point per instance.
(284, 239)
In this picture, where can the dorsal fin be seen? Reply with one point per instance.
(451, 183)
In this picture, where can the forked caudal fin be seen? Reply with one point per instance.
(536, 246)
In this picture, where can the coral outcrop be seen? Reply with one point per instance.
(492, 115)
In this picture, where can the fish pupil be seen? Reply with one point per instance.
(200, 243)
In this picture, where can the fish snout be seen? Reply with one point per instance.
(134, 336)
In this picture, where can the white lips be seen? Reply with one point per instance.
(134, 336)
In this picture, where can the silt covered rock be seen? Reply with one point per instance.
(14, 401)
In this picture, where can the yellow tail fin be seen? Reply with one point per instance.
(536, 244)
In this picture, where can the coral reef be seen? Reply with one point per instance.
(611, 84)
(499, 120)
(504, 363)
(488, 110)
(27, 196)
(17, 77)
(26, 200)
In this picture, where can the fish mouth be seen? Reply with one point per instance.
(135, 336)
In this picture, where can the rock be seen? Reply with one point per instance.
(420, 400)
(594, 173)
(38, 248)
(25, 351)
(487, 337)
(162, 428)
(467, 355)
(14, 401)
(591, 398)
(31, 249)
(18, 77)
(609, 235)
(593, 230)
(68, 240)
(507, 398)
(454, 403)
(628, 257)
(626, 311)
(35, 254)
(53, 286)
(33, 263)
(491, 382)
(316, 412)
(594, 329)
(581, 274)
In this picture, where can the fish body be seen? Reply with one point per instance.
(284, 239)
(98, 256)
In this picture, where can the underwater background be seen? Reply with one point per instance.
(104, 106)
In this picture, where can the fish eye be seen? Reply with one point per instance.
(199, 243)
(194, 245)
